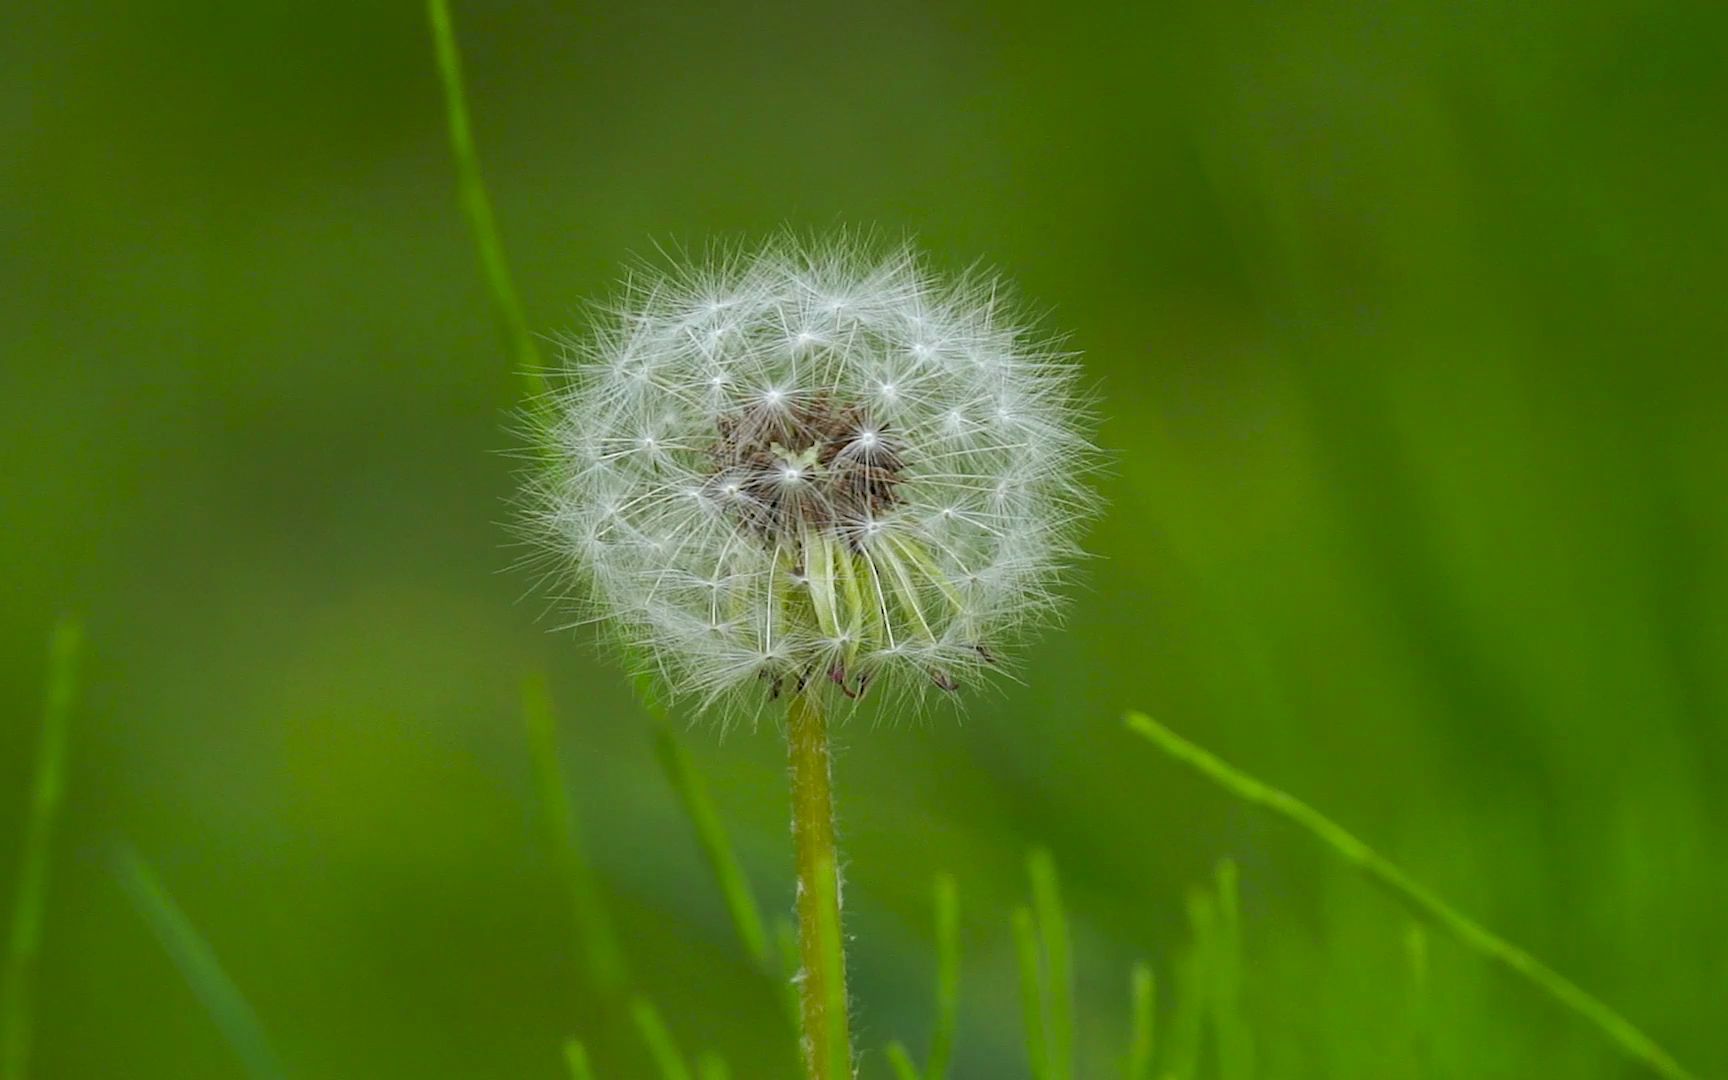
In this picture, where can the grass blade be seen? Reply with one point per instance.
(47, 790)
(1421, 1030)
(1031, 993)
(711, 1066)
(947, 977)
(477, 204)
(901, 1062)
(1234, 1041)
(1194, 979)
(606, 966)
(1143, 1012)
(740, 901)
(1416, 897)
(658, 1040)
(1058, 953)
(198, 963)
(576, 1061)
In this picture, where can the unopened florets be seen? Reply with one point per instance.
(801, 467)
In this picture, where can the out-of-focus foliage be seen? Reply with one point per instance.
(1406, 320)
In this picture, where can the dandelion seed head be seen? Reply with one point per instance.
(812, 467)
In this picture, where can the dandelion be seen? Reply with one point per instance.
(814, 473)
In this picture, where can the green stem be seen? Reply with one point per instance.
(947, 977)
(477, 205)
(1059, 957)
(1143, 1014)
(576, 1060)
(25, 939)
(822, 986)
(655, 1035)
(1417, 897)
(608, 970)
(740, 901)
(197, 962)
(1031, 992)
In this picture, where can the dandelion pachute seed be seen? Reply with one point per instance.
(812, 466)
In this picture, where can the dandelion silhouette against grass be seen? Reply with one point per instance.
(809, 473)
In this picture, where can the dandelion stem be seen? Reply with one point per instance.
(822, 983)
(1415, 896)
(475, 202)
(26, 937)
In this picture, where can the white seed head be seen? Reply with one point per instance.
(811, 466)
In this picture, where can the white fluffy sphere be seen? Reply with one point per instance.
(807, 467)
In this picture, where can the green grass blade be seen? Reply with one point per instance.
(1058, 954)
(711, 1066)
(477, 204)
(693, 793)
(576, 1060)
(24, 943)
(947, 977)
(658, 1039)
(1421, 1030)
(1194, 980)
(1416, 897)
(901, 1062)
(605, 959)
(1234, 1041)
(1031, 993)
(197, 962)
(1143, 1013)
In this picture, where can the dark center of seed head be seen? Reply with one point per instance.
(787, 466)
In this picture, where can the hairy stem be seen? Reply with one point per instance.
(822, 982)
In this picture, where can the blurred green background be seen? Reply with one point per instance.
(1408, 325)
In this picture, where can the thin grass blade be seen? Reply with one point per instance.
(197, 961)
(1235, 1042)
(1058, 953)
(901, 1061)
(711, 1066)
(605, 961)
(722, 860)
(477, 204)
(1031, 993)
(1421, 1023)
(947, 977)
(658, 1039)
(576, 1061)
(1418, 898)
(47, 791)
(1143, 1014)
(1194, 979)
(42, 816)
